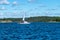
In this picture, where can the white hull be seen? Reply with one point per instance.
(25, 22)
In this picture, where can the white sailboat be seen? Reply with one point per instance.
(23, 20)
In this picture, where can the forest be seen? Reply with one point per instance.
(34, 19)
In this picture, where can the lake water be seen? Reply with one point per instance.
(33, 31)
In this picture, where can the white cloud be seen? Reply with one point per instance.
(1, 14)
(3, 8)
(14, 3)
(4, 2)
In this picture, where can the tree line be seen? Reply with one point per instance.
(34, 19)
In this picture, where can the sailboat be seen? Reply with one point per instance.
(23, 20)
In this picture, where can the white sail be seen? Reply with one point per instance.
(23, 18)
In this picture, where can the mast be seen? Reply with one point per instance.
(23, 17)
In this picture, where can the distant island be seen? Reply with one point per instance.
(33, 19)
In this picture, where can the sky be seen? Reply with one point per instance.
(31, 8)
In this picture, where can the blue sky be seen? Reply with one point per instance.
(16, 8)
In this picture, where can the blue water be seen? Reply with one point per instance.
(33, 31)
